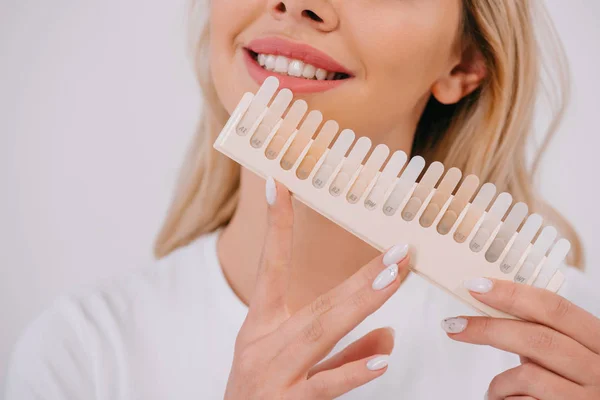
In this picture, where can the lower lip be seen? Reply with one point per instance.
(296, 85)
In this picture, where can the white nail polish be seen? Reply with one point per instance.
(392, 331)
(377, 363)
(454, 325)
(478, 285)
(395, 254)
(386, 277)
(271, 191)
(486, 395)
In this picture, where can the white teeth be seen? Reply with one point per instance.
(270, 63)
(282, 64)
(295, 69)
(321, 74)
(309, 71)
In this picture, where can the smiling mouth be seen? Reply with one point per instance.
(295, 68)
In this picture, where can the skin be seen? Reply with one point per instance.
(559, 344)
(286, 290)
(277, 349)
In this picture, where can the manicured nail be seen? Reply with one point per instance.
(377, 363)
(478, 285)
(392, 331)
(386, 277)
(454, 325)
(271, 191)
(486, 396)
(395, 254)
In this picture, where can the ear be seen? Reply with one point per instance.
(464, 77)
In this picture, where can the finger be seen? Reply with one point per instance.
(544, 346)
(336, 382)
(397, 255)
(314, 333)
(532, 380)
(524, 360)
(520, 398)
(541, 306)
(269, 297)
(379, 341)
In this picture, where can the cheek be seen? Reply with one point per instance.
(406, 52)
(224, 50)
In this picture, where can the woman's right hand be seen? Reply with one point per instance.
(276, 352)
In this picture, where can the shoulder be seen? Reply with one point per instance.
(94, 326)
(51, 343)
(579, 289)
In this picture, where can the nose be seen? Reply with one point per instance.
(320, 14)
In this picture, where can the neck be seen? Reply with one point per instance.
(324, 254)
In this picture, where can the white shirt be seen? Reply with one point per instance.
(169, 331)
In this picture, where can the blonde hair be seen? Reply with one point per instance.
(487, 133)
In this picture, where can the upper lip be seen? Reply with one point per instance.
(298, 51)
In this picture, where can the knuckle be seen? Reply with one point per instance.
(349, 379)
(559, 308)
(320, 388)
(321, 305)
(511, 297)
(313, 331)
(360, 300)
(542, 341)
(526, 373)
(496, 384)
(366, 276)
(247, 361)
(281, 220)
(486, 327)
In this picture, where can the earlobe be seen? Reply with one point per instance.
(447, 91)
(462, 80)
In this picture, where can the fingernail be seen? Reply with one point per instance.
(454, 325)
(478, 285)
(392, 331)
(486, 396)
(377, 363)
(271, 191)
(386, 277)
(395, 254)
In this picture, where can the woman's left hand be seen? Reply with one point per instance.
(559, 343)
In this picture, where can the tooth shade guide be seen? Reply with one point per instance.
(440, 197)
(317, 149)
(458, 205)
(508, 229)
(434, 257)
(384, 182)
(475, 213)
(423, 190)
(536, 254)
(286, 129)
(554, 260)
(404, 186)
(272, 117)
(257, 107)
(491, 221)
(301, 139)
(368, 173)
(521, 243)
(333, 159)
(350, 166)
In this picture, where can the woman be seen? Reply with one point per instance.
(452, 80)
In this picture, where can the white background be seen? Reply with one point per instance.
(97, 104)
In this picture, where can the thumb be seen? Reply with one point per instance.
(274, 269)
